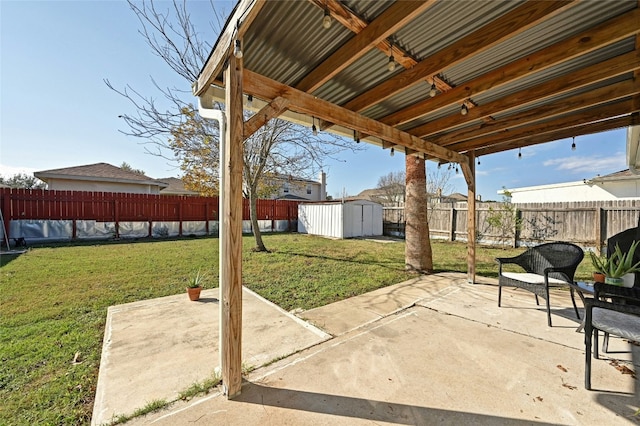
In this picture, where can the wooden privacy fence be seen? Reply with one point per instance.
(39, 204)
(587, 224)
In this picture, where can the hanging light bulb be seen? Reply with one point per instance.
(393, 152)
(250, 101)
(417, 160)
(237, 52)
(433, 90)
(326, 19)
(314, 129)
(356, 138)
(391, 66)
(573, 145)
(478, 161)
(439, 165)
(519, 153)
(449, 166)
(464, 110)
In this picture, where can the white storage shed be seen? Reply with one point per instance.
(356, 218)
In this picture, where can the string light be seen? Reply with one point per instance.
(326, 19)
(250, 101)
(519, 153)
(392, 153)
(573, 145)
(391, 66)
(356, 137)
(439, 165)
(417, 160)
(314, 129)
(237, 52)
(456, 169)
(464, 110)
(478, 161)
(433, 90)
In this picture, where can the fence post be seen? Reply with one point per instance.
(116, 217)
(6, 213)
(598, 230)
(454, 213)
(517, 224)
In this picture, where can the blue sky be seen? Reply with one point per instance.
(56, 111)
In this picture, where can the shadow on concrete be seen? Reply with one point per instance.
(376, 411)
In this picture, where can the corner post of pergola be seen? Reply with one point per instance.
(469, 171)
(231, 294)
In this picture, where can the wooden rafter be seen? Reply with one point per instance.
(563, 133)
(578, 79)
(509, 25)
(564, 106)
(549, 126)
(609, 32)
(393, 18)
(299, 101)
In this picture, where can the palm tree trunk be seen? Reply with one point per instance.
(418, 246)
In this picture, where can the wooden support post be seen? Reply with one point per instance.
(231, 303)
(471, 218)
(598, 230)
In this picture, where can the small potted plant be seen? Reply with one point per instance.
(616, 266)
(194, 285)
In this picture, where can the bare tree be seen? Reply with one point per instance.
(178, 133)
(392, 188)
(438, 185)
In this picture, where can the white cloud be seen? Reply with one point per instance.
(8, 171)
(590, 165)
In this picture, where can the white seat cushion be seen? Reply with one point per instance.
(617, 323)
(531, 278)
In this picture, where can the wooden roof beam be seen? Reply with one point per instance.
(608, 32)
(581, 78)
(391, 20)
(510, 24)
(586, 129)
(580, 118)
(243, 15)
(562, 106)
(304, 103)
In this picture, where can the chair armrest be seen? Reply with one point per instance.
(617, 293)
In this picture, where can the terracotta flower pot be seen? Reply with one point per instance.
(194, 293)
(598, 277)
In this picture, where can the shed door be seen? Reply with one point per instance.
(367, 220)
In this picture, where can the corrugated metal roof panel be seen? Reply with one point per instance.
(287, 41)
(578, 18)
(446, 22)
(608, 52)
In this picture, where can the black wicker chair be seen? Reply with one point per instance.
(613, 310)
(546, 265)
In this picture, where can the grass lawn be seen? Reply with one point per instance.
(54, 300)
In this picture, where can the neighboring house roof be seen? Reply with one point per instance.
(377, 195)
(292, 178)
(621, 175)
(175, 186)
(456, 196)
(99, 171)
(293, 197)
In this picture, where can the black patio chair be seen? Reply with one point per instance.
(547, 265)
(614, 310)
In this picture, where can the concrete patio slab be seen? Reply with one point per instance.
(452, 357)
(155, 349)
